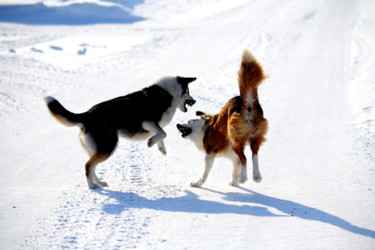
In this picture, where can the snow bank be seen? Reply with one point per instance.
(68, 13)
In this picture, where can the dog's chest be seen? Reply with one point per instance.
(167, 116)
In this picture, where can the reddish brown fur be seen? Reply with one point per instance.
(241, 119)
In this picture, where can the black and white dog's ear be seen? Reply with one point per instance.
(185, 80)
(199, 113)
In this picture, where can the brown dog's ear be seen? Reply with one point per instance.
(203, 115)
(199, 113)
(185, 80)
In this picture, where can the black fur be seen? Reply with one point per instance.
(125, 114)
(184, 81)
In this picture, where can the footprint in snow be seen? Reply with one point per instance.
(56, 48)
(36, 50)
(82, 52)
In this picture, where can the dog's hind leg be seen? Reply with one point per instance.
(99, 141)
(158, 137)
(97, 181)
(208, 165)
(92, 180)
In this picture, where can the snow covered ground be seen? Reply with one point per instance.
(318, 165)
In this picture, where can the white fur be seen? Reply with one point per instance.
(247, 56)
(209, 161)
(49, 99)
(256, 173)
(197, 133)
(87, 143)
(158, 137)
(90, 179)
(171, 85)
(169, 113)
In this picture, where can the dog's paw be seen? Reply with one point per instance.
(233, 183)
(243, 180)
(151, 142)
(257, 178)
(162, 149)
(197, 184)
(94, 186)
(104, 184)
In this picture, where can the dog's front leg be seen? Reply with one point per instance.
(161, 147)
(158, 137)
(209, 161)
(243, 175)
(237, 167)
(256, 173)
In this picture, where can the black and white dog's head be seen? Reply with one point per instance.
(178, 87)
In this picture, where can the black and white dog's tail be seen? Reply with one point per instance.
(61, 114)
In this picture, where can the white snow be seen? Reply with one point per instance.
(318, 165)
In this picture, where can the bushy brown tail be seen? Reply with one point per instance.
(250, 76)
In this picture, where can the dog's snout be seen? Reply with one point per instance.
(193, 101)
(179, 126)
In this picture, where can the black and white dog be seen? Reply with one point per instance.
(139, 115)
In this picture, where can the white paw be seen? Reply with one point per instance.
(233, 183)
(104, 184)
(243, 179)
(162, 150)
(94, 186)
(257, 178)
(196, 184)
(150, 142)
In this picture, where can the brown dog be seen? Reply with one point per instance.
(239, 122)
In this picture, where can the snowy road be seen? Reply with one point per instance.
(318, 165)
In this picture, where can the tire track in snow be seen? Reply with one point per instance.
(104, 218)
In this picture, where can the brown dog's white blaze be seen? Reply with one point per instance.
(239, 122)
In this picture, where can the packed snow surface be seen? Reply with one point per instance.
(318, 165)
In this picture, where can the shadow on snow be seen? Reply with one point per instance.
(190, 203)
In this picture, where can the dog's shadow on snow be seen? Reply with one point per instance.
(259, 205)
(189, 203)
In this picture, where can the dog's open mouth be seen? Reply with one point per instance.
(189, 102)
(185, 131)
